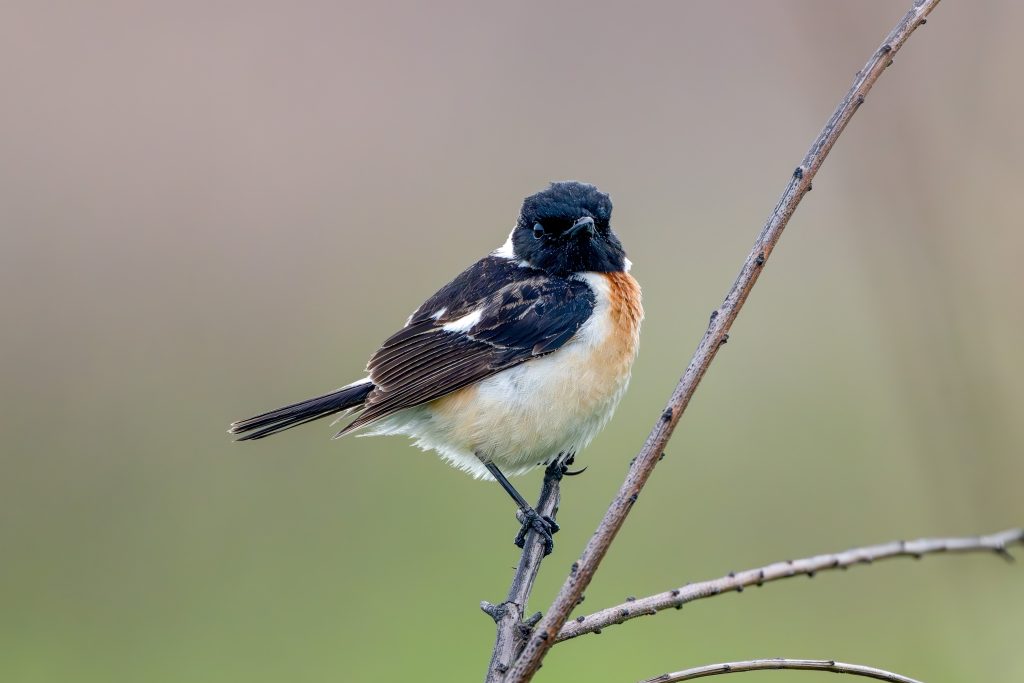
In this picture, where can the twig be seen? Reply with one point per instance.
(809, 566)
(510, 616)
(716, 335)
(767, 664)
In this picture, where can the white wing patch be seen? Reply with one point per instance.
(464, 323)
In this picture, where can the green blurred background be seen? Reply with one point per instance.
(212, 208)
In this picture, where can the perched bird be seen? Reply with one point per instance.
(516, 363)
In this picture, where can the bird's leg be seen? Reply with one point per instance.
(544, 525)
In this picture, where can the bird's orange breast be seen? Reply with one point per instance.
(625, 312)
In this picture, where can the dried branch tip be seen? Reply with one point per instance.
(779, 663)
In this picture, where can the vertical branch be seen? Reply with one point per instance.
(513, 628)
(716, 335)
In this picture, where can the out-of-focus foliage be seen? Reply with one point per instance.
(212, 208)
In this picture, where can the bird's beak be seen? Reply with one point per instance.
(586, 223)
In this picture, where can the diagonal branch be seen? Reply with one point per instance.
(716, 335)
(510, 616)
(809, 566)
(773, 664)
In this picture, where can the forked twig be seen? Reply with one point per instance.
(716, 335)
(513, 627)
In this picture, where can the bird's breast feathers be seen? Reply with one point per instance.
(541, 406)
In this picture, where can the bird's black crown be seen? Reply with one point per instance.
(566, 229)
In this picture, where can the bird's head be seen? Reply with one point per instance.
(566, 229)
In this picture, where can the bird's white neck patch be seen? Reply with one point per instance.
(506, 250)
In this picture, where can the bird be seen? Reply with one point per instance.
(516, 363)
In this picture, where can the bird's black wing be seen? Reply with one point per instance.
(470, 289)
(516, 316)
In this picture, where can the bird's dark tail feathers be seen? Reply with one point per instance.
(302, 412)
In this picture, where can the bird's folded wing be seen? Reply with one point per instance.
(436, 354)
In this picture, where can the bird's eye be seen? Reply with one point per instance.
(538, 230)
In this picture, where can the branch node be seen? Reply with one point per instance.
(496, 612)
(1002, 552)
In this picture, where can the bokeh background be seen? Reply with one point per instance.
(208, 209)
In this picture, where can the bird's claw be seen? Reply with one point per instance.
(544, 525)
(564, 470)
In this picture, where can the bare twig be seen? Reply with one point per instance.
(510, 616)
(770, 664)
(716, 335)
(809, 566)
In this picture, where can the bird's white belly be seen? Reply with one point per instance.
(535, 412)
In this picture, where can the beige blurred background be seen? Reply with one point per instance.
(208, 209)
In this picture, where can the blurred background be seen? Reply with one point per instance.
(208, 209)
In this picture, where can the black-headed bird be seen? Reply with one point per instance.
(516, 363)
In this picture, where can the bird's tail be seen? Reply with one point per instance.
(302, 412)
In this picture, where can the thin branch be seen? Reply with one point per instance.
(510, 616)
(809, 566)
(716, 335)
(772, 664)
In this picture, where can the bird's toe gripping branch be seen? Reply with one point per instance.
(544, 525)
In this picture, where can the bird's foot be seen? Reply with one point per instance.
(545, 527)
(566, 472)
